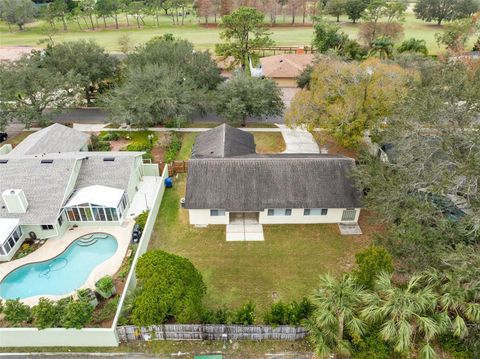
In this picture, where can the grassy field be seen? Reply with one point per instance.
(286, 265)
(198, 34)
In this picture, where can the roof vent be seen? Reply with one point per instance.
(108, 159)
(46, 161)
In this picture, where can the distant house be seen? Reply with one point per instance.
(229, 183)
(285, 68)
(50, 182)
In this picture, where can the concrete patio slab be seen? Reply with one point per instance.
(298, 140)
(144, 197)
(349, 229)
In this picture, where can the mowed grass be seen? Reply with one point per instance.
(285, 266)
(266, 142)
(201, 36)
(269, 142)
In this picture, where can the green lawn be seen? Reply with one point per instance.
(198, 34)
(286, 265)
(15, 140)
(269, 142)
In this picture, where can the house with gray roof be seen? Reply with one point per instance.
(229, 183)
(48, 185)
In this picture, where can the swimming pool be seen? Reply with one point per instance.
(64, 273)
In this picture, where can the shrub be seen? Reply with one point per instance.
(173, 148)
(105, 286)
(278, 314)
(76, 314)
(16, 312)
(218, 316)
(110, 136)
(371, 262)
(246, 314)
(1, 306)
(171, 287)
(299, 311)
(292, 314)
(142, 219)
(108, 310)
(96, 144)
(371, 346)
(46, 314)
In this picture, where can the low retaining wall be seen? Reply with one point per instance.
(210, 332)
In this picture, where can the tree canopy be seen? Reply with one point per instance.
(244, 96)
(17, 12)
(349, 98)
(28, 88)
(164, 82)
(444, 10)
(87, 59)
(244, 31)
(171, 287)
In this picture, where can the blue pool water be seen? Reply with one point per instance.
(62, 274)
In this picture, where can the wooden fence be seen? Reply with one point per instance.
(285, 50)
(177, 167)
(210, 332)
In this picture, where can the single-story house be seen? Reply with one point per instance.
(228, 180)
(50, 182)
(285, 68)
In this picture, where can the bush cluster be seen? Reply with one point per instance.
(293, 313)
(65, 313)
(171, 288)
(142, 219)
(173, 148)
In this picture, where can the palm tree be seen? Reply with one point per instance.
(458, 300)
(383, 46)
(405, 313)
(337, 305)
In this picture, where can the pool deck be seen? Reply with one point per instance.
(55, 246)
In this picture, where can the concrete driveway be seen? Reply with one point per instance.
(298, 140)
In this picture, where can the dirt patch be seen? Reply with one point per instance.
(327, 142)
(118, 145)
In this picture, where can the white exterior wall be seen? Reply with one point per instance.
(32, 337)
(202, 217)
(334, 215)
(7, 257)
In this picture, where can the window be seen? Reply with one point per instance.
(46, 227)
(315, 211)
(217, 212)
(60, 219)
(279, 212)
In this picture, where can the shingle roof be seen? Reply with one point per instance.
(257, 182)
(285, 65)
(54, 138)
(223, 141)
(45, 184)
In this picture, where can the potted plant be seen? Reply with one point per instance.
(105, 287)
(87, 295)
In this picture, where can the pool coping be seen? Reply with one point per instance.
(58, 245)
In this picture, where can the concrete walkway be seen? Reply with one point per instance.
(298, 140)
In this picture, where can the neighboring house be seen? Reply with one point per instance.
(49, 183)
(229, 182)
(285, 68)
